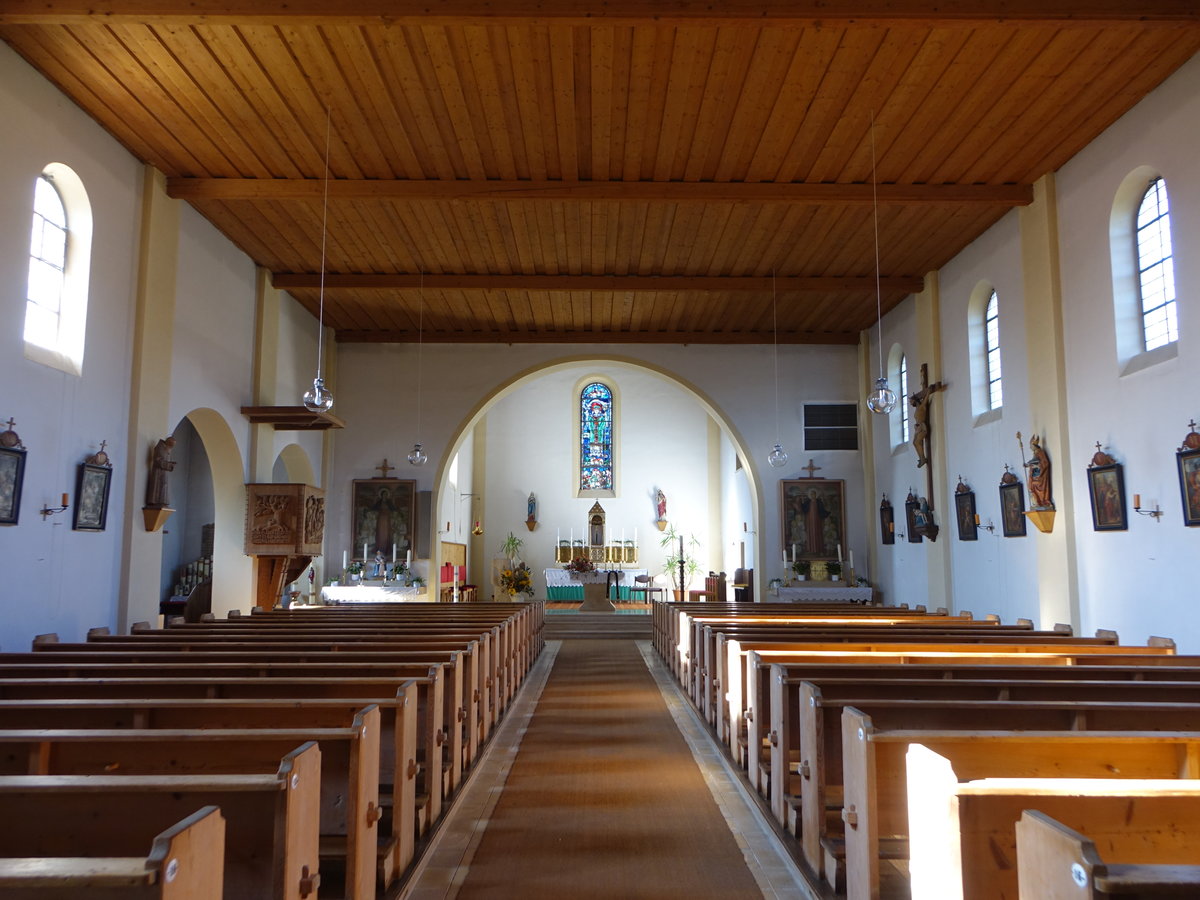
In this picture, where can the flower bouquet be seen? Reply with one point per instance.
(517, 580)
(580, 565)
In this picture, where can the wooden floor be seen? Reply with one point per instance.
(601, 783)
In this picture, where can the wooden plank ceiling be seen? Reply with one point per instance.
(603, 171)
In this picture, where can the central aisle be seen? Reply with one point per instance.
(598, 796)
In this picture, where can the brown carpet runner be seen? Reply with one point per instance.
(604, 798)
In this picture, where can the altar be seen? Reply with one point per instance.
(823, 592)
(377, 592)
(564, 585)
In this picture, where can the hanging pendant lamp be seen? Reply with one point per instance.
(882, 399)
(778, 456)
(319, 399)
(416, 456)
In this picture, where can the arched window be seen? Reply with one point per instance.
(596, 438)
(991, 345)
(1156, 271)
(60, 251)
(902, 399)
(47, 266)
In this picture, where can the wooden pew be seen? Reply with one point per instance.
(398, 765)
(966, 841)
(868, 797)
(349, 805)
(271, 821)
(1055, 862)
(185, 862)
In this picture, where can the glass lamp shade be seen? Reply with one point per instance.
(882, 400)
(777, 457)
(417, 457)
(319, 399)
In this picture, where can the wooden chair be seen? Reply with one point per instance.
(714, 589)
(644, 585)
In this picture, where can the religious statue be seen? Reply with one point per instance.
(660, 505)
(920, 401)
(531, 515)
(379, 566)
(158, 495)
(815, 514)
(1039, 475)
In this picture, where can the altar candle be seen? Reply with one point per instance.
(852, 560)
(572, 537)
(839, 552)
(408, 559)
(344, 559)
(393, 553)
(785, 561)
(364, 551)
(793, 552)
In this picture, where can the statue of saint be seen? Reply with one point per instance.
(532, 508)
(660, 505)
(920, 401)
(158, 495)
(1039, 475)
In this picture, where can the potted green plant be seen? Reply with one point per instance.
(671, 565)
(802, 568)
(354, 570)
(511, 547)
(834, 569)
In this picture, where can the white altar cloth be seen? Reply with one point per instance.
(392, 592)
(563, 578)
(818, 593)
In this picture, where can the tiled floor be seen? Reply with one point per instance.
(446, 863)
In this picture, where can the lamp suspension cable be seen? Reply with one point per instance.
(778, 456)
(882, 399)
(319, 399)
(416, 456)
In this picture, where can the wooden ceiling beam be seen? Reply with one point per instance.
(831, 13)
(633, 283)
(312, 189)
(353, 336)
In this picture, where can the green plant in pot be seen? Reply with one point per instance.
(691, 565)
(802, 569)
(511, 547)
(834, 569)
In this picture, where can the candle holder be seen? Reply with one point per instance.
(48, 511)
(1155, 513)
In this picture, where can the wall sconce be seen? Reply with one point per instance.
(1155, 513)
(48, 511)
(990, 527)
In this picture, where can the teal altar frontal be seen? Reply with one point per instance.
(564, 585)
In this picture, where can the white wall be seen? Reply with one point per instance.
(1140, 581)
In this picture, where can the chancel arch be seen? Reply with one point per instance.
(527, 428)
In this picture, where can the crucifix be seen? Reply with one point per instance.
(384, 469)
(810, 468)
(922, 439)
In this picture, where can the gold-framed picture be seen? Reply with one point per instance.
(383, 517)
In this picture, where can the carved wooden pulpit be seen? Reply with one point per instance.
(285, 525)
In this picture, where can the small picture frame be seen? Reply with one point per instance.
(964, 512)
(1189, 484)
(887, 522)
(1106, 487)
(1012, 509)
(911, 507)
(91, 497)
(12, 476)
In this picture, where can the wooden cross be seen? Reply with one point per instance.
(1191, 424)
(810, 468)
(11, 422)
(384, 469)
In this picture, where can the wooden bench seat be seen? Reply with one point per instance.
(349, 808)
(1055, 861)
(965, 844)
(186, 862)
(271, 821)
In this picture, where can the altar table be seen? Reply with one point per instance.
(391, 592)
(564, 585)
(823, 593)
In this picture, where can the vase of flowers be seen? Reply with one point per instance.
(516, 580)
(580, 565)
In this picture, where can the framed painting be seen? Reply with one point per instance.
(1012, 509)
(814, 517)
(911, 506)
(91, 497)
(887, 522)
(1189, 484)
(383, 517)
(12, 475)
(1106, 487)
(964, 511)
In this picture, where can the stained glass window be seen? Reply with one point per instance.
(596, 438)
